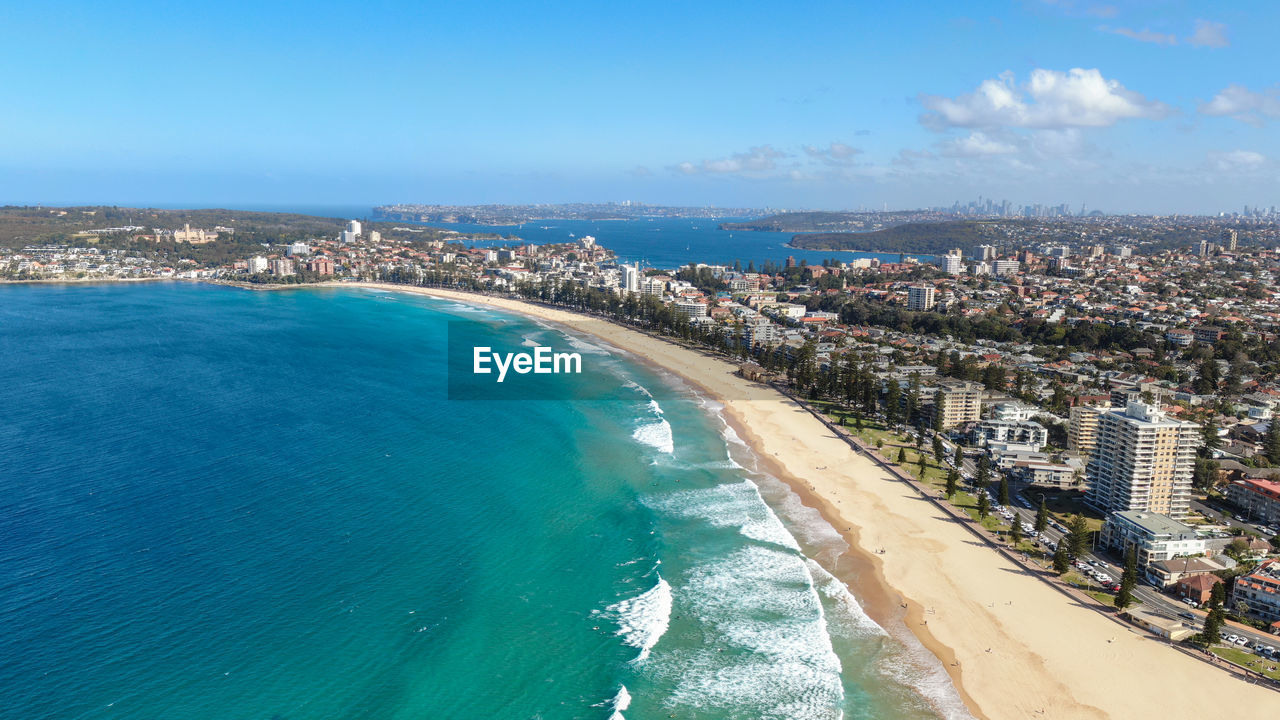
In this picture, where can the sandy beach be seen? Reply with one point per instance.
(1015, 647)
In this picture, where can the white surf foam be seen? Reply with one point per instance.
(760, 606)
(621, 702)
(729, 505)
(643, 619)
(656, 435)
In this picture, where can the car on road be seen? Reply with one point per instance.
(1190, 602)
(1242, 641)
(1232, 638)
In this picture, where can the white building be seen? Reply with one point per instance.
(1142, 461)
(1005, 268)
(257, 264)
(953, 263)
(921, 297)
(297, 248)
(1024, 432)
(631, 278)
(1156, 537)
(691, 308)
(353, 227)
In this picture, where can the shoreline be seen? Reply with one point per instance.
(1013, 646)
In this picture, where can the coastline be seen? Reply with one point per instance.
(1014, 647)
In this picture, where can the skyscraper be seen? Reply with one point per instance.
(1142, 460)
(354, 227)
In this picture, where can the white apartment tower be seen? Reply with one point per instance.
(1142, 460)
(921, 297)
(953, 263)
(353, 227)
(631, 278)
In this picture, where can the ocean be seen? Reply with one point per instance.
(225, 503)
(672, 242)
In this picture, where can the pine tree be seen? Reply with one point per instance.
(1042, 517)
(939, 452)
(1128, 581)
(1271, 442)
(1077, 538)
(953, 483)
(1211, 441)
(892, 399)
(1004, 490)
(939, 410)
(984, 504)
(1061, 561)
(902, 456)
(959, 460)
(1015, 529)
(923, 462)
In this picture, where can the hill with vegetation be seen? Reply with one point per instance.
(934, 238)
(824, 221)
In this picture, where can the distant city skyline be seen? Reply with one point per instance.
(1126, 107)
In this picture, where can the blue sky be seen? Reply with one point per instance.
(1125, 106)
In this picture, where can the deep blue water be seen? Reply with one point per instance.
(235, 504)
(672, 242)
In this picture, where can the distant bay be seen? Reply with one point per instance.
(672, 242)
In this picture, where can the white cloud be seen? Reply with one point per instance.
(1050, 99)
(1209, 34)
(837, 153)
(976, 144)
(1245, 105)
(1239, 161)
(760, 159)
(1143, 35)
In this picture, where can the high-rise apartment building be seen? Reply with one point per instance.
(631, 278)
(1142, 460)
(921, 297)
(353, 227)
(1082, 431)
(953, 262)
(1230, 238)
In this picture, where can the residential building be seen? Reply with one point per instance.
(1005, 268)
(1142, 461)
(257, 264)
(280, 266)
(921, 297)
(297, 248)
(1082, 429)
(1168, 572)
(953, 263)
(1257, 498)
(1153, 536)
(1180, 336)
(1045, 473)
(321, 266)
(1025, 432)
(631, 278)
(961, 401)
(353, 227)
(1198, 588)
(1230, 239)
(1207, 334)
(1259, 591)
(690, 308)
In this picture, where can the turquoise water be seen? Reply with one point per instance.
(235, 504)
